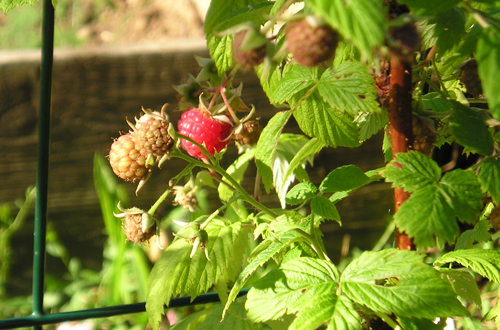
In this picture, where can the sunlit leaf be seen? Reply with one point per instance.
(484, 262)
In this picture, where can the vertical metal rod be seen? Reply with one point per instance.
(42, 178)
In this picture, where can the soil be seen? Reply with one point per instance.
(136, 21)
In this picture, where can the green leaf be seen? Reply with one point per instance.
(489, 178)
(464, 192)
(221, 47)
(417, 324)
(427, 214)
(488, 61)
(360, 21)
(266, 147)
(326, 209)
(262, 253)
(7, 5)
(344, 178)
(318, 119)
(429, 7)
(301, 193)
(305, 286)
(255, 14)
(414, 171)
(470, 130)
(479, 234)
(305, 154)
(237, 171)
(484, 262)
(444, 30)
(294, 81)
(349, 87)
(371, 123)
(288, 146)
(190, 276)
(463, 283)
(434, 205)
(399, 282)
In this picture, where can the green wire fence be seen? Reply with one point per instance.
(38, 318)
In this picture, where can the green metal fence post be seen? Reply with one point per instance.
(42, 178)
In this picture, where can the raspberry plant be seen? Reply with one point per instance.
(403, 68)
(424, 72)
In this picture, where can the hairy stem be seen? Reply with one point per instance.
(400, 121)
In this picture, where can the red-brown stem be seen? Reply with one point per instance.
(401, 132)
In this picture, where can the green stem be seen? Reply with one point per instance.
(311, 239)
(216, 168)
(390, 322)
(220, 209)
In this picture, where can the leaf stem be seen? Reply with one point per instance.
(390, 322)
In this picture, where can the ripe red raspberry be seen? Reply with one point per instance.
(200, 126)
(152, 135)
(470, 78)
(248, 58)
(311, 43)
(127, 162)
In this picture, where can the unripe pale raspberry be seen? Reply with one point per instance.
(250, 57)
(202, 127)
(470, 78)
(132, 228)
(127, 162)
(311, 43)
(152, 134)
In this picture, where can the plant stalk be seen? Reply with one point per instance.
(401, 131)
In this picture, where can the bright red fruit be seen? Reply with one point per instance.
(205, 129)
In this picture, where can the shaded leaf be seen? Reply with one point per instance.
(429, 7)
(489, 178)
(488, 61)
(444, 30)
(463, 283)
(479, 234)
(326, 209)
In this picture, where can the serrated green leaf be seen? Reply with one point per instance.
(434, 205)
(470, 130)
(465, 193)
(255, 14)
(266, 147)
(399, 282)
(427, 214)
(305, 154)
(429, 7)
(301, 193)
(326, 209)
(318, 119)
(479, 234)
(262, 253)
(489, 178)
(484, 262)
(435, 102)
(360, 21)
(414, 171)
(305, 286)
(349, 87)
(463, 283)
(344, 178)
(371, 123)
(444, 30)
(221, 47)
(488, 61)
(190, 276)
(237, 171)
(294, 81)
